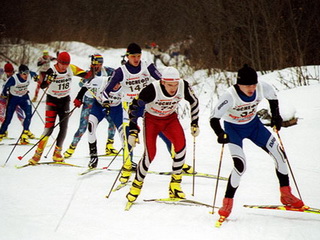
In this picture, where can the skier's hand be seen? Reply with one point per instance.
(36, 78)
(223, 138)
(77, 103)
(133, 138)
(106, 106)
(195, 130)
(276, 122)
(3, 96)
(51, 77)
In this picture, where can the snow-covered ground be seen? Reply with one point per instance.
(55, 202)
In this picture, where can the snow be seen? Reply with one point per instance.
(55, 202)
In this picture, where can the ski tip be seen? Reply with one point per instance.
(220, 221)
(20, 157)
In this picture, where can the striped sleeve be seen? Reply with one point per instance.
(194, 102)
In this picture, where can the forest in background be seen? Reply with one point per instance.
(267, 35)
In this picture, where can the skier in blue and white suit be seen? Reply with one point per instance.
(16, 90)
(110, 108)
(238, 108)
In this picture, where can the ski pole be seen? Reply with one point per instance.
(118, 175)
(54, 142)
(21, 157)
(289, 165)
(218, 176)
(194, 165)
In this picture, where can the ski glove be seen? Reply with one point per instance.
(51, 77)
(133, 138)
(36, 78)
(195, 130)
(223, 138)
(106, 106)
(3, 96)
(276, 122)
(77, 103)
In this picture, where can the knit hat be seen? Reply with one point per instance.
(96, 59)
(8, 68)
(247, 76)
(45, 52)
(133, 48)
(23, 69)
(64, 58)
(170, 74)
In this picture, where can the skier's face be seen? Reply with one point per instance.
(134, 59)
(171, 87)
(248, 89)
(62, 67)
(97, 67)
(24, 75)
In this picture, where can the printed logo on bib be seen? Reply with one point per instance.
(244, 112)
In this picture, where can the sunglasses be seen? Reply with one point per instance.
(25, 72)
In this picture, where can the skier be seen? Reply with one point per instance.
(16, 91)
(110, 108)
(43, 64)
(160, 100)
(8, 72)
(87, 101)
(58, 83)
(133, 76)
(238, 108)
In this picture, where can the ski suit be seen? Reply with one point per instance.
(88, 101)
(159, 109)
(241, 121)
(16, 89)
(133, 80)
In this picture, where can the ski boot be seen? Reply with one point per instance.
(187, 169)
(125, 174)
(134, 190)
(175, 190)
(57, 157)
(41, 145)
(93, 155)
(24, 139)
(2, 136)
(30, 134)
(226, 208)
(69, 152)
(110, 150)
(288, 199)
(93, 161)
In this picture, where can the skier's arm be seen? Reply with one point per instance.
(154, 72)
(137, 106)
(9, 83)
(194, 103)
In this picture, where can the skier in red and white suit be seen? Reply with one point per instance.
(159, 100)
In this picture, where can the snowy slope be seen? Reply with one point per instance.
(52, 202)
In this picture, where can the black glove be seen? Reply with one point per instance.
(51, 77)
(223, 138)
(36, 78)
(276, 122)
(106, 106)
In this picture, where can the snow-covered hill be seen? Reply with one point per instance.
(52, 202)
